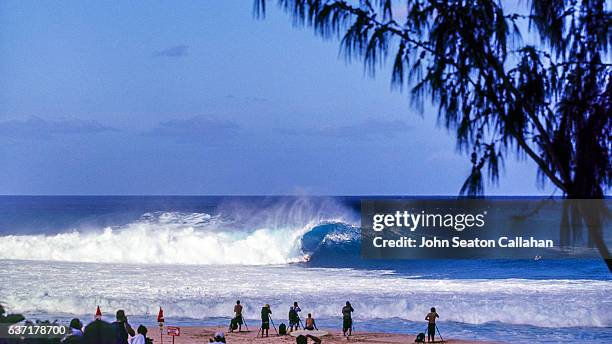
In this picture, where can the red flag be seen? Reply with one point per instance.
(160, 315)
(98, 313)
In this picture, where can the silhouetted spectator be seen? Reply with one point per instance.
(122, 328)
(99, 332)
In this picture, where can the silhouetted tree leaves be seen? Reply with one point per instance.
(549, 103)
(9, 318)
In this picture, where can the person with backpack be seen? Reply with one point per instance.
(265, 319)
(297, 308)
(236, 322)
(294, 319)
(347, 319)
(431, 324)
(122, 328)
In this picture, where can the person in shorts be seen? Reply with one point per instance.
(237, 320)
(265, 319)
(431, 324)
(347, 319)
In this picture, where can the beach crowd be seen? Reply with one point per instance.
(121, 332)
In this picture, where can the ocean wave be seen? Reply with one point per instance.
(236, 235)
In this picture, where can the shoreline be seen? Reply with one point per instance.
(201, 334)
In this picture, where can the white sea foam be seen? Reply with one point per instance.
(146, 243)
(201, 292)
(239, 235)
(196, 265)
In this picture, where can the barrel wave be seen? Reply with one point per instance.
(236, 234)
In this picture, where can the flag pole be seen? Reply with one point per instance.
(160, 320)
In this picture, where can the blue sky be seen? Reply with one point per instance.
(197, 97)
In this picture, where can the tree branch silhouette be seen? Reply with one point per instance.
(548, 101)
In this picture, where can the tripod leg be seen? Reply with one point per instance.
(439, 334)
(272, 321)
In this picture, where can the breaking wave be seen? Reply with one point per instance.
(279, 234)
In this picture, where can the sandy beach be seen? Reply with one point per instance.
(202, 335)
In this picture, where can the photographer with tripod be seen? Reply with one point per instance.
(431, 325)
(266, 319)
(237, 321)
(294, 317)
(294, 320)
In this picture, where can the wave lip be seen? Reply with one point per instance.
(268, 237)
(148, 243)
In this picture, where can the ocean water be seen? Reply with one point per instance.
(61, 257)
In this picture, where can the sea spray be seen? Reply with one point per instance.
(237, 233)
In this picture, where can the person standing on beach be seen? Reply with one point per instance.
(431, 324)
(294, 319)
(122, 328)
(347, 319)
(237, 318)
(265, 319)
(297, 308)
